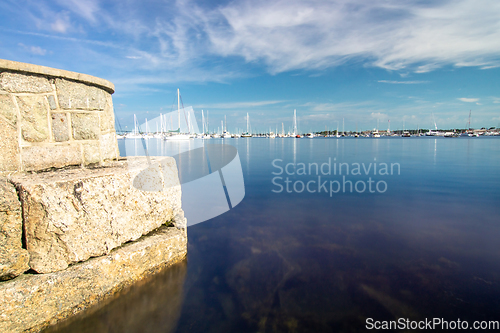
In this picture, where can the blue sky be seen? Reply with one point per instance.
(359, 60)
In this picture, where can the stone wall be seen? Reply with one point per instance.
(72, 236)
(13, 257)
(72, 215)
(33, 302)
(51, 118)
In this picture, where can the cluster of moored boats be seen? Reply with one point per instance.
(224, 134)
(271, 135)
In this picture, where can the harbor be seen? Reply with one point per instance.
(308, 261)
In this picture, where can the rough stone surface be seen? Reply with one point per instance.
(52, 102)
(13, 258)
(91, 153)
(109, 146)
(32, 302)
(75, 95)
(72, 215)
(85, 126)
(37, 158)
(8, 108)
(9, 200)
(60, 131)
(34, 124)
(24, 83)
(161, 293)
(14, 66)
(9, 147)
(108, 116)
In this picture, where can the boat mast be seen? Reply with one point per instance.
(294, 122)
(135, 124)
(247, 124)
(203, 121)
(179, 108)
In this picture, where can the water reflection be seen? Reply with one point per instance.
(152, 305)
(308, 262)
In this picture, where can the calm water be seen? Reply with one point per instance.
(429, 246)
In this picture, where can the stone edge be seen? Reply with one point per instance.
(48, 71)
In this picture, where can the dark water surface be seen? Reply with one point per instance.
(428, 247)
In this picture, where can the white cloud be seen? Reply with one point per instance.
(396, 35)
(38, 50)
(283, 35)
(402, 82)
(84, 8)
(468, 100)
(34, 49)
(61, 24)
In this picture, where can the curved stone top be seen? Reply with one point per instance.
(49, 71)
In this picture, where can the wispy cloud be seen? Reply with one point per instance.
(281, 35)
(239, 105)
(468, 100)
(34, 49)
(402, 82)
(390, 34)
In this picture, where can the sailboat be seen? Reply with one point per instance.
(375, 133)
(295, 134)
(205, 134)
(177, 135)
(436, 132)
(247, 134)
(135, 134)
(405, 134)
(225, 133)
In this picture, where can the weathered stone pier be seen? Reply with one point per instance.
(74, 226)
